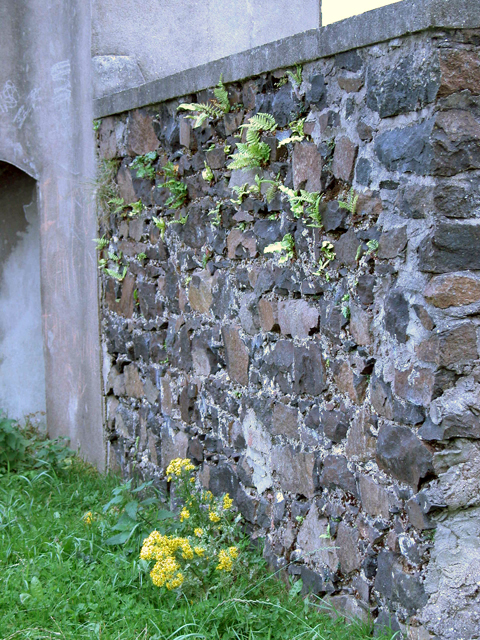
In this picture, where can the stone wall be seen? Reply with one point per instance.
(340, 405)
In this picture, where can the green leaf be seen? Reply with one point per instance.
(125, 523)
(164, 514)
(143, 486)
(131, 509)
(36, 588)
(120, 538)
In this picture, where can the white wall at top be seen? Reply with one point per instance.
(167, 36)
(335, 10)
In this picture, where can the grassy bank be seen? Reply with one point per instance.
(61, 580)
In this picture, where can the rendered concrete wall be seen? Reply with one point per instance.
(22, 364)
(167, 36)
(333, 11)
(46, 130)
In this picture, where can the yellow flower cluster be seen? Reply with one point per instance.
(184, 514)
(227, 502)
(88, 518)
(226, 558)
(199, 551)
(178, 465)
(213, 517)
(162, 549)
(198, 532)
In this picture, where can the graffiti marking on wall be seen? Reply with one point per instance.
(9, 97)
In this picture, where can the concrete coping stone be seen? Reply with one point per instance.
(371, 27)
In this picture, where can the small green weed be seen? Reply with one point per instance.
(328, 254)
(298, 133)
(296, 76)
(144, 165)
(177, 188)
(285, 246)
(351, 203)
(12, 443)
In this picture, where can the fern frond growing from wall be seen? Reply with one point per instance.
(213, 109)
(253, 152)
(202, 112)
(221, 95)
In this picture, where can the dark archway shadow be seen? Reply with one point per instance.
(22, 368)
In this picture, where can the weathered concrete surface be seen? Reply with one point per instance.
(380, 25)
(46, 130)
(22, 363)
(166, 36)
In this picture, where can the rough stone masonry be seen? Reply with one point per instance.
(337, 402)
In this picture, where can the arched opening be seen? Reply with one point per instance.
(22, 369)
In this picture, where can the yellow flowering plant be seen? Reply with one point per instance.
(204, 547)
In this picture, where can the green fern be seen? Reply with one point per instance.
(221, 95)
(328, 254)
(286, 245)
(305, 202)
(217, 219)
(207, 173)
(181, 220)
(116, 274)
(178, 189)
(101, 243)
(161, 226)
(296, 76)
(312, 201)
(137, 208)
(213, 109)
(144, 165)
(258, 123)
(351, 202)
(253, 153)
(117, 205)
(241, 192)
(298, 133)
(272, 189)
(202, 111)
(372, 247)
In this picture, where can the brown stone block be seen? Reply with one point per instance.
(460, 71)
(141, 136)
(200, 292)
(360, 322)
(451, 347)
(307, 167)
(285, 420)
(360, 442)
(452, 290)
(236, 355)
(347, 548)
(350, 84)
(355, 386)
(297, 318)
(133, 383)
(294, 470)
(125, 185)
(268, 312)
(415, 384)
(107, 140)
(375, 499)
(313, 538)
(344, 158)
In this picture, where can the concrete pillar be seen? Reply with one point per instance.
(46, 130)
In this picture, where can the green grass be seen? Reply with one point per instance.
(60, 580)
